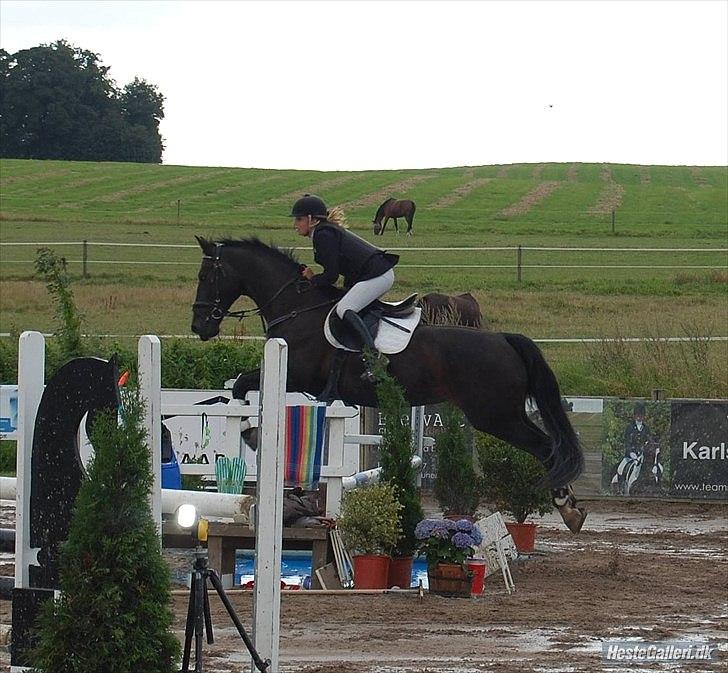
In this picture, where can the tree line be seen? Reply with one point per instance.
(58, 102)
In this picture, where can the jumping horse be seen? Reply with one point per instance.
(394, 209)
(488, 375)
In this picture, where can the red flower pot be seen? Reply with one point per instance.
(523, 534)
(371, 571)
(400, 572)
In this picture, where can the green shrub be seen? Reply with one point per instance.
(369, 520)
(53, 270)
(185, 364)
(456, 484)
(510, 478)
(7, 456)
(113, 614)
(395, 457)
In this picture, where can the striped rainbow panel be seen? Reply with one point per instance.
(305, 431)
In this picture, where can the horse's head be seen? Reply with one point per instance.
(217, 289)
(377, 227)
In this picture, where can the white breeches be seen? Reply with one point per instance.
(364, 293)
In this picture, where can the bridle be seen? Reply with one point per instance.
(217, 313)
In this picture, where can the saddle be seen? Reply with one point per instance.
(372, 316)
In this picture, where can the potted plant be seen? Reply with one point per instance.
(395, 457)
(446, 545)
(369, 524)
(510, 481)
(456, 483)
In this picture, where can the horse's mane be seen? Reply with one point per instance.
(381, 208)
(284, 254)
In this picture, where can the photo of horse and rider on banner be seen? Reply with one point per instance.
(665, 448)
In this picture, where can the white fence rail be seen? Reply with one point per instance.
(518, 264)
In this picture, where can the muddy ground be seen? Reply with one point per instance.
(639, 570)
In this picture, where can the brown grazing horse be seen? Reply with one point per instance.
(488, 375)
(393, 209)
(444, 309)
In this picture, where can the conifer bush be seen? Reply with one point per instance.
(113, 614)
(456, 484)
(395, 457)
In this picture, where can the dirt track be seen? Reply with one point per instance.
(635, 572)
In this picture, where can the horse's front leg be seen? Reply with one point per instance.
(396, 226)
(246, 382)
(384, 224)
(565, 501)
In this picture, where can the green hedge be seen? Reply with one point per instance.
(185, 364)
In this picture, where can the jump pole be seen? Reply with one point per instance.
(149, 353)
(269, 505)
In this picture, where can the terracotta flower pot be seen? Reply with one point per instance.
(523, 534)
(400, 572)
(449, 579)
(371, 571)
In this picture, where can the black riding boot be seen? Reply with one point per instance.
(353, 319)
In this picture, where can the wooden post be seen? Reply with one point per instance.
(613, 219)
(269, 502)
(519, 259)
(84, 255)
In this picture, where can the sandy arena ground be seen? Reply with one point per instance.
(640, 570)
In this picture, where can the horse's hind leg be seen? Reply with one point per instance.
(525, 435)
(409, 224)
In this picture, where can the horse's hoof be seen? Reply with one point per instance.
(573, 517)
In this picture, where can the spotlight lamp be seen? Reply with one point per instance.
(188, 518)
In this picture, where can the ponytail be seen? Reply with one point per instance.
(336, 216)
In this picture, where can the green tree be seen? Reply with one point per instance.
(395, 456)
(54, 272)
(113, 614)
(456, 484)
(58, 102)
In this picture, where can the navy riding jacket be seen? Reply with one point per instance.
(340, 252)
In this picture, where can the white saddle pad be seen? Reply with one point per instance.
(390, 339)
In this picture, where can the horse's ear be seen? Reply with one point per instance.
(204, 244)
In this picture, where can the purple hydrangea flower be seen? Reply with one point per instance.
(424, 528)
(476, 535)
(464, 526)
(463, 540)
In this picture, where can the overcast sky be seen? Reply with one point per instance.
(375, 85)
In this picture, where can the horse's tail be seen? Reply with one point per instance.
(567, 460)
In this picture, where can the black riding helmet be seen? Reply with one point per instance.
(309, 205)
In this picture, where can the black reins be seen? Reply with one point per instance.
(218, 313)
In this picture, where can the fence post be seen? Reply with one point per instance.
(85, 258)
(519, 259)
(613, 219)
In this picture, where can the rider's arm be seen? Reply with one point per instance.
(327, 255)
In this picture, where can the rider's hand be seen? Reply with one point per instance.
(307, 273)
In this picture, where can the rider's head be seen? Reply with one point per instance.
(639, 411)
(307, 212)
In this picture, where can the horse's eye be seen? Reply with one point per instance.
(202, 275)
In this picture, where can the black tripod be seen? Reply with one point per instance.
(199, 608)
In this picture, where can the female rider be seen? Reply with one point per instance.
(367, 270)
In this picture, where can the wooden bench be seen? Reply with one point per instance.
(223, 539)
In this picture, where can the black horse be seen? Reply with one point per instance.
(488, 375)
(394, 209)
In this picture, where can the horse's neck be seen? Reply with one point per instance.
(268, 283)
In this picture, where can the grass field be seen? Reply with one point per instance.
(633, 291)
